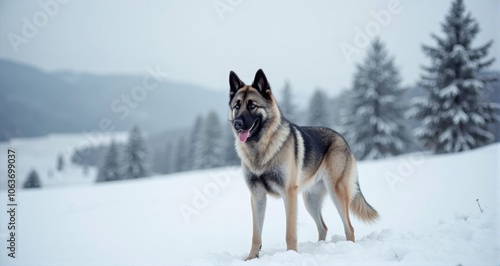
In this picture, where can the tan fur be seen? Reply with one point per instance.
(291, 218)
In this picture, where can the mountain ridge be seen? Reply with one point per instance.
(35, 103)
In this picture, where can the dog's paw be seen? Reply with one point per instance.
(254, 252)
(252, 256)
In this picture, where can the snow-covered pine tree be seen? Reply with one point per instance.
(181, 156)
(136, 161)
(372, 117)
(453, 116)
(318, 109)
(168, 159)
(286, 104)
(210, 153)
(85, 170)
(196, 144)
(60, 163)
(32, 181)
(231, 157)
(110, 167)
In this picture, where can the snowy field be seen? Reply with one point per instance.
(41, 154)
(429, 216)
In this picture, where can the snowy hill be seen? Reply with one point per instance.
(66, 102)
(429, 215)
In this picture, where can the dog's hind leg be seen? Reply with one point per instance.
(338, 184)
(313, 199)
(341, 201)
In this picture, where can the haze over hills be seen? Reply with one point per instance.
(33, 102)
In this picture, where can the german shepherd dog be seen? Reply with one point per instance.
(282, 159)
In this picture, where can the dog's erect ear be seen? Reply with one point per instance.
(261, 84)
(235, 83)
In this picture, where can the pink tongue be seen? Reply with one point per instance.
(244, 135)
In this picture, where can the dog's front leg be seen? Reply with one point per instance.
(258, 212)
(291, 218)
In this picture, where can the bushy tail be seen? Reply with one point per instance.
(362, 209)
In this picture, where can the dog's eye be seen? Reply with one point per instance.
(237, 106)
(251, 106)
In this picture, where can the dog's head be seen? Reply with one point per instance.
(251, 106)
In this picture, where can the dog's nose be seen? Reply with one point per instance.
(238, 124)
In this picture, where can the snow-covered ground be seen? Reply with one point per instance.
(428, 207)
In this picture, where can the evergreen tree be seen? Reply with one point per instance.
(230, 151)
(196, 143)
(213, 140)
(60, 163)
(181, 159)
(81, 157)
(168, 159)
(110, 167)
(32, 181)
(335, 105)
(286, 104)
(453, 116)
(85, 170)
(372, 116)
(209, 152)
(318, 109)
(136, 156)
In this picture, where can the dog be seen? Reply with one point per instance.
(282, 159)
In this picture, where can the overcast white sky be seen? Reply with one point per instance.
(290, 39)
